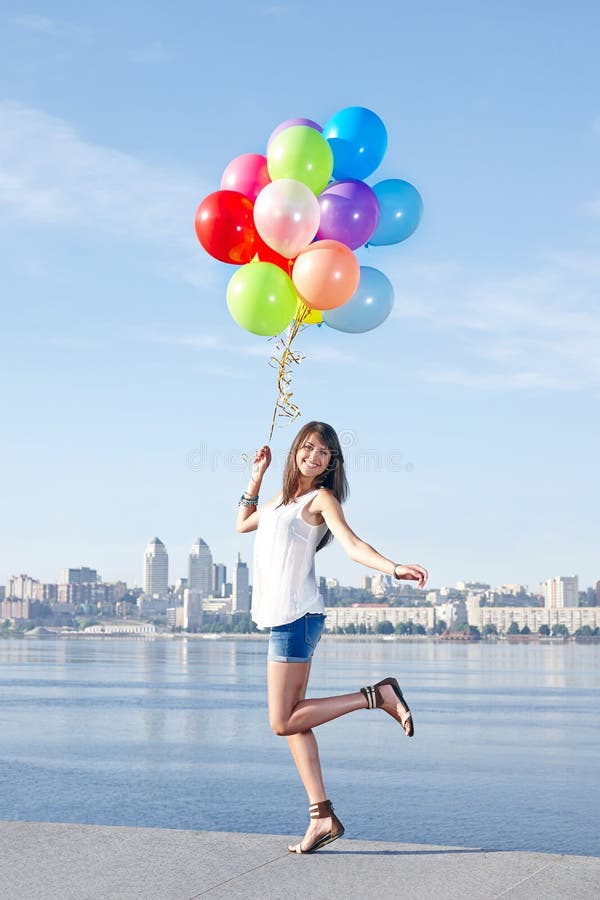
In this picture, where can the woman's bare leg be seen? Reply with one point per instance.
(290, 713)
(287, 684)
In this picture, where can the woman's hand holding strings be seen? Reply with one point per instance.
(260, 464)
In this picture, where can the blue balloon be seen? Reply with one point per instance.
(358, 139)
(368, 307)
(401, 208)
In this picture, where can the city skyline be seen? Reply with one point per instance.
(201, 547)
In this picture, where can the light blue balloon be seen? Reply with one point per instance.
(358, 139)
(401, 208)
(368, 307)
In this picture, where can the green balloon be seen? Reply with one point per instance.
(261, 298)
(303, 154)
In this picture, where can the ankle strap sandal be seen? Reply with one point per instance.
(323, 810)
(375, 700)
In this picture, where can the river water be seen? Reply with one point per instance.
(174, 734)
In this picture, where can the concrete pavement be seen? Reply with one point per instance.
(46, 861)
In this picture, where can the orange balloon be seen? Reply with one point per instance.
(326, 274)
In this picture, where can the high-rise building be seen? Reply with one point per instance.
(83, 575)
(219, 579)
(179, 587)
(156, 569)
(192, 609)
(200, 568)
(323, 591)
(22, 587)
(45, 593)
(14, 608)
(560, 592)
(240, 595)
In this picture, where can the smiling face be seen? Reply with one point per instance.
(312, 457)
(315, 460)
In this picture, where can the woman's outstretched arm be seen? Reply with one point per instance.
(247, 517)
(358, 550)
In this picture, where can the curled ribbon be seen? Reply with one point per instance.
(283, 362)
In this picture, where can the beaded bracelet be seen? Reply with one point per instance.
(247, 500)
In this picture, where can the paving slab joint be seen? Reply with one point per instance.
(527, 878)
(219, 884)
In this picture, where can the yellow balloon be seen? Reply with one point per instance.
(306, 315)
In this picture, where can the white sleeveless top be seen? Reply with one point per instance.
(284, 585)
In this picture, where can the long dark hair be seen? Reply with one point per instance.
(334, 476)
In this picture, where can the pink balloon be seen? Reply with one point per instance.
(246, 174)
(286, 216)
(326, 274)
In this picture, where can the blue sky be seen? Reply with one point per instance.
(129, 394)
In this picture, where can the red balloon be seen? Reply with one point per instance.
(267, 254)
(225, 227)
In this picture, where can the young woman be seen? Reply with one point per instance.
(300, 520)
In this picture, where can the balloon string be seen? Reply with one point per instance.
(284, 405)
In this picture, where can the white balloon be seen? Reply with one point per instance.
(287, 216)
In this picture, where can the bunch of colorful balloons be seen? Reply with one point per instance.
(292, 219)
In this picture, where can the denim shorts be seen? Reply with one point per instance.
(296, 641)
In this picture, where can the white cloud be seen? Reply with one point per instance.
(500, 382)
(68, 341)
(157, 335)
(536, 329)
(276, 9)
(222, 372)
(31, 22)
(326, 353)
(51, 175)
(264, 348)
(43, 25)
(150, 54)
(594, 207)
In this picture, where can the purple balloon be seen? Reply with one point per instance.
(349, 213)
(289, 123)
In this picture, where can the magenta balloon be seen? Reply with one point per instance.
(247, 174)
(349, 213)
(289, 123)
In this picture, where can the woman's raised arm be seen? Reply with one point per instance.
(247, 517)
(358, 550)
